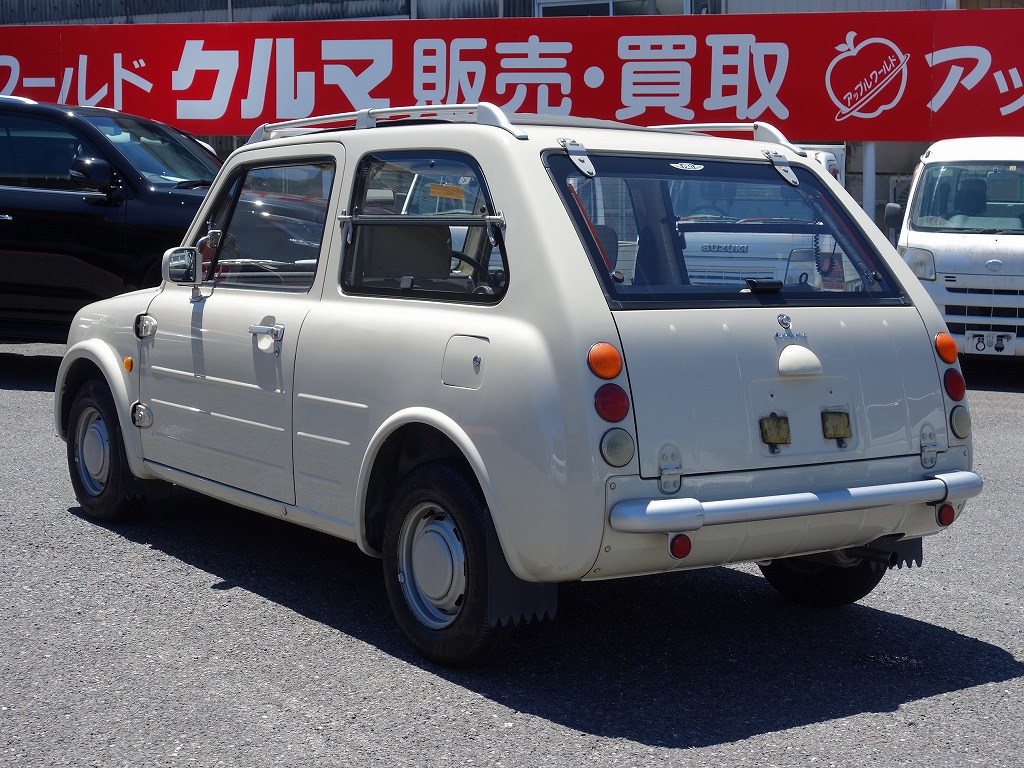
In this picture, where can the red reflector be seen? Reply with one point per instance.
(680, 546)
(945, 515)
(611, 402)
(955, 385)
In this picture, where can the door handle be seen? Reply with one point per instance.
(276, 332)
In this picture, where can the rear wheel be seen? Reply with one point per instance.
(822, 585)
(435, 567)
(103, 483)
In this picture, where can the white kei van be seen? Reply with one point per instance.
(963, 236)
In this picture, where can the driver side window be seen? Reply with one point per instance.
(267, 230)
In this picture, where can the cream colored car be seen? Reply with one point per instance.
(472, 344)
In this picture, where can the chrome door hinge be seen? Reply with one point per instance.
(145, 326)
(929, 447)
(142, 416)
(670, 468)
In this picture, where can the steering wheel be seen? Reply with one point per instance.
(479, 267)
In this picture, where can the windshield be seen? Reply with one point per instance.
(160, 153)
(970, 197)
(666, 229)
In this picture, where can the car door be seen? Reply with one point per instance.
(217, 374)
(60, 246)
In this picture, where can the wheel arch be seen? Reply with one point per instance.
(409, 438)
(93, 359)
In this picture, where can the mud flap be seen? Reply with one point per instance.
(909, 552)
(509, 598)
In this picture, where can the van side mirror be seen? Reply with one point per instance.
(893, 215)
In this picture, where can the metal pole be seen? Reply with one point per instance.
(869, 179)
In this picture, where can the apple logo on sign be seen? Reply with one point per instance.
(866, 78)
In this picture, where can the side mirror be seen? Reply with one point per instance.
(179, 265)
(93, 173)
(893, 215)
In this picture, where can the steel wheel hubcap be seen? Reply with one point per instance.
(92, 455)
(432, 565)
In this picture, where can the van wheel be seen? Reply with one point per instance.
(821, 585)
(103, 483)
(435, 567)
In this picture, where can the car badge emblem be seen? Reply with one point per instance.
(993, 265)
(787, 326)
(687, 166)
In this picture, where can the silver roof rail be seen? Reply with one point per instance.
(483, 113)
(765, 132)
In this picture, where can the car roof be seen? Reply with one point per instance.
(60, 110)
(976, 148)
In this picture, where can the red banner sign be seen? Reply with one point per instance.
(915, 75)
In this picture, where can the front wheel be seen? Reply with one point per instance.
(821, 585)
(103, 483)
(435, 567)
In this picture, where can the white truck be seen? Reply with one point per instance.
(963, 235)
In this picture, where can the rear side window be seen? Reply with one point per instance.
(267, 228)
(423, 227)
(685, 232)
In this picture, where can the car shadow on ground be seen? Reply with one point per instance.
(680, 660)
(29, 367)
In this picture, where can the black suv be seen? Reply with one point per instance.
(90, 198)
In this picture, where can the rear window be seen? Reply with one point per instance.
(684, 231)
(970, 197)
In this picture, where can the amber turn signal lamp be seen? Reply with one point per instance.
(604, 360)
(946, 347)
(129, 364)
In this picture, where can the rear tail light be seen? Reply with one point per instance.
(954, 383)
(612, 403)
(945, 515)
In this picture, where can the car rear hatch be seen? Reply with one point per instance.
(760, 326)
(749, 389)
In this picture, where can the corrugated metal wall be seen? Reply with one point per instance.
(206, 11)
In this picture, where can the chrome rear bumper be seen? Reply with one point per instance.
(678, 515)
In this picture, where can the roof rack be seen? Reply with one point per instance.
(483, 113)
(765, 132)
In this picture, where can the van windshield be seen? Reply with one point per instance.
(982, 197)
(689, 232)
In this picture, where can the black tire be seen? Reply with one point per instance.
(103, 483)
(821, 585)
(436, 567)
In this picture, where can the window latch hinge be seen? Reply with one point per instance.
(578, 154)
